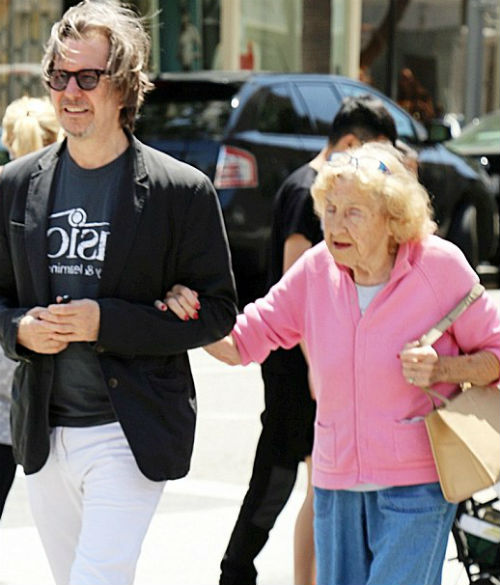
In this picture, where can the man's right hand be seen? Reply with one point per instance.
(39, 336)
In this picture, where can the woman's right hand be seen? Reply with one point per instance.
(182, 301)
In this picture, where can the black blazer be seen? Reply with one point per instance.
(167, 229)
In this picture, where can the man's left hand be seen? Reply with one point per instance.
(76, 321)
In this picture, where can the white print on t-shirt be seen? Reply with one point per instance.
(80, 239)
(77, 239)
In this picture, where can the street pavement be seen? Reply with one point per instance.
(191, 527)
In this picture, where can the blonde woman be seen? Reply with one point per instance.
(359, 300)
(29, 123)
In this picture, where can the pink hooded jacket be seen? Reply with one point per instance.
(369, 426)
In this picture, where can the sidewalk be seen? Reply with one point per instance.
(184, 545)
(192, 525)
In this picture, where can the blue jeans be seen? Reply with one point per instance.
(397, 535)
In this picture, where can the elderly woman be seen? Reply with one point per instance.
(359, 300)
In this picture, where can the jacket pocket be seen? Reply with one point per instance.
(411, 442)
(168, 383)
(324, 446)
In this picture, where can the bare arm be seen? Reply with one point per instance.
(225, 350)
(295, 246)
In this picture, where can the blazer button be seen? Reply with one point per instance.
(100, 349)
(112, 382)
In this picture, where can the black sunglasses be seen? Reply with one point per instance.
(86, 79)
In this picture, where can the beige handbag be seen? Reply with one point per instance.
(464, 432)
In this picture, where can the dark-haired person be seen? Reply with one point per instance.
(104, 404)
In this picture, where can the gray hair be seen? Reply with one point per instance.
(128, 53)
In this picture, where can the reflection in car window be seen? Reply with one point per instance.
(277, 114)
(402, 120)
(185, 119)
(322, 103)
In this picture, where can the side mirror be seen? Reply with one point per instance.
(438, 131)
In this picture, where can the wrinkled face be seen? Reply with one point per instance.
(357, 233)
(87, 114)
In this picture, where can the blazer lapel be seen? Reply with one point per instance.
(38, 208)
(133, 193)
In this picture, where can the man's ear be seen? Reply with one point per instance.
(348, 141)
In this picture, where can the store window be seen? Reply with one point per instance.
(24, 29)
(270, 35)
(415, 51)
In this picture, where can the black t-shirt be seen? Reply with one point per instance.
(293, 213)
(78, 231)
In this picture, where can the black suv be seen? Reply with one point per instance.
(249, 131)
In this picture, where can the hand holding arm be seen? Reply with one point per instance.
(423, 367)
(182, 301)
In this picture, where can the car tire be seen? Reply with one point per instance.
(463, 233)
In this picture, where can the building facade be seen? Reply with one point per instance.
(445, 51)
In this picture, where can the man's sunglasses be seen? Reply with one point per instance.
(86, 79)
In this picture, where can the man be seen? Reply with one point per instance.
(92, 231)
(288, 419)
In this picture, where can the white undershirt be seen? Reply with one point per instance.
(366, 294)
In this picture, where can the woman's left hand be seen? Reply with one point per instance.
(420, 364)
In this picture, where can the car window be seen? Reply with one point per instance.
(185, 119)
(322, 104)
(278, 114)
(403, 121)
(482, 136)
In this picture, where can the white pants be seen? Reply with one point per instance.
(92, 506)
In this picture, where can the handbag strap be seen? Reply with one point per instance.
(439, 328)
